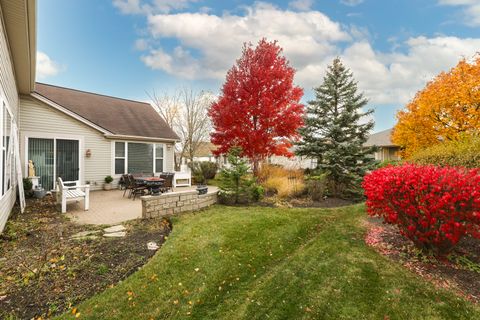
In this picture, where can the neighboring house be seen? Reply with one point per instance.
(387, 149)
(83, 136)
(205, 153)
(295, 162)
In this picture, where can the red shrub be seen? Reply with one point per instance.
(432, 206)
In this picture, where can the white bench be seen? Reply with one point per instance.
(74, 192)
(182, 179)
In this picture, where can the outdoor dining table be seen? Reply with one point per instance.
(153, 184)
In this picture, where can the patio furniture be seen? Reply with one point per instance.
(168, 183)
(182, 179)
(152, 184)
(65, 192)
(129, 184)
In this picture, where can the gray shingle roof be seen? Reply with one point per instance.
(116, 115)
(381, 139)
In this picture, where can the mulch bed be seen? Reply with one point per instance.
(44, 272)
(460, 271)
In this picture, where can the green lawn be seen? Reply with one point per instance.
(264, 263)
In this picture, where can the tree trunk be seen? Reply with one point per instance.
(255, 166)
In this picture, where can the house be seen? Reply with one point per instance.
(66, 133)
(17, 77)
(84, 136)
(205, 153)
(387, 149)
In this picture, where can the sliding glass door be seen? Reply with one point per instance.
(54, 158)
(67, 164)
(41, 152)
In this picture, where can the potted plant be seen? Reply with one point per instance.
(108, 183)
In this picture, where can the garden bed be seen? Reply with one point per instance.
(46, 272)
(305, 202)
(460, 271)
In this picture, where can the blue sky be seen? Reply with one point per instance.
(126, 48)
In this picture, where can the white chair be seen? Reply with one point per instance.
(66, 192)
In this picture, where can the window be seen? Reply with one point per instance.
(159, 158)
(140, 158)
(120, 157)
(136, 157)
(7, 156)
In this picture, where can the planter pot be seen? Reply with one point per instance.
(39, 193)
(107, 186)
(202, 189)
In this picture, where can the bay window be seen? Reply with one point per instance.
(137, 157)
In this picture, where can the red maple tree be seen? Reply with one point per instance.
(259, 109)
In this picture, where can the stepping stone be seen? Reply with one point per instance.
(152, 246)
(115, 234)
(84, 234)
(117, 228)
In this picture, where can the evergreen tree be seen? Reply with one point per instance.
(235, 182)
(334, 133)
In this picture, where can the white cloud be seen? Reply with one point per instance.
(351, 3)
(46, 67)
(208, 45)
(393, 78)
(470, 12)
(141, 44)
(151, 6)
(301, 5)
(217, 40)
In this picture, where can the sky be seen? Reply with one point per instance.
(129, 48)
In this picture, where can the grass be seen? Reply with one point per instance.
(265, 263)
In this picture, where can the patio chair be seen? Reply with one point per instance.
(168, 181)
(74, 192)
(136, 188)
(129, 184)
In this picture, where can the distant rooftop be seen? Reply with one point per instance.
(381, 139)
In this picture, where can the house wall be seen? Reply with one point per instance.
(39, 119)
(387, 154)
(9, 91)
(293, 163)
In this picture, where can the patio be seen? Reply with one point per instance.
(109, 207)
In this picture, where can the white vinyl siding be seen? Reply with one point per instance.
(10, 93)
(37, 119)
(41, 120)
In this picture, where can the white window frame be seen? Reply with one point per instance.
(154, 158)
(5, 106)
(125, 157)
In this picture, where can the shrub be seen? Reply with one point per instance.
(108, 179)
(281, 181)
(203, 171)
(432, 206)
(316, 186)
(209, 169)
(464, 152)
(386, 163)
(27, 184)
(236, 183)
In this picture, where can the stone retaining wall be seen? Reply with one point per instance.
(172, 203)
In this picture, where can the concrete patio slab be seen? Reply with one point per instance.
(109, 208)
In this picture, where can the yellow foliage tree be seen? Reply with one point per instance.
(446, 109)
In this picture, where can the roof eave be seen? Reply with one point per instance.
(19, 17)
(139, 138)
